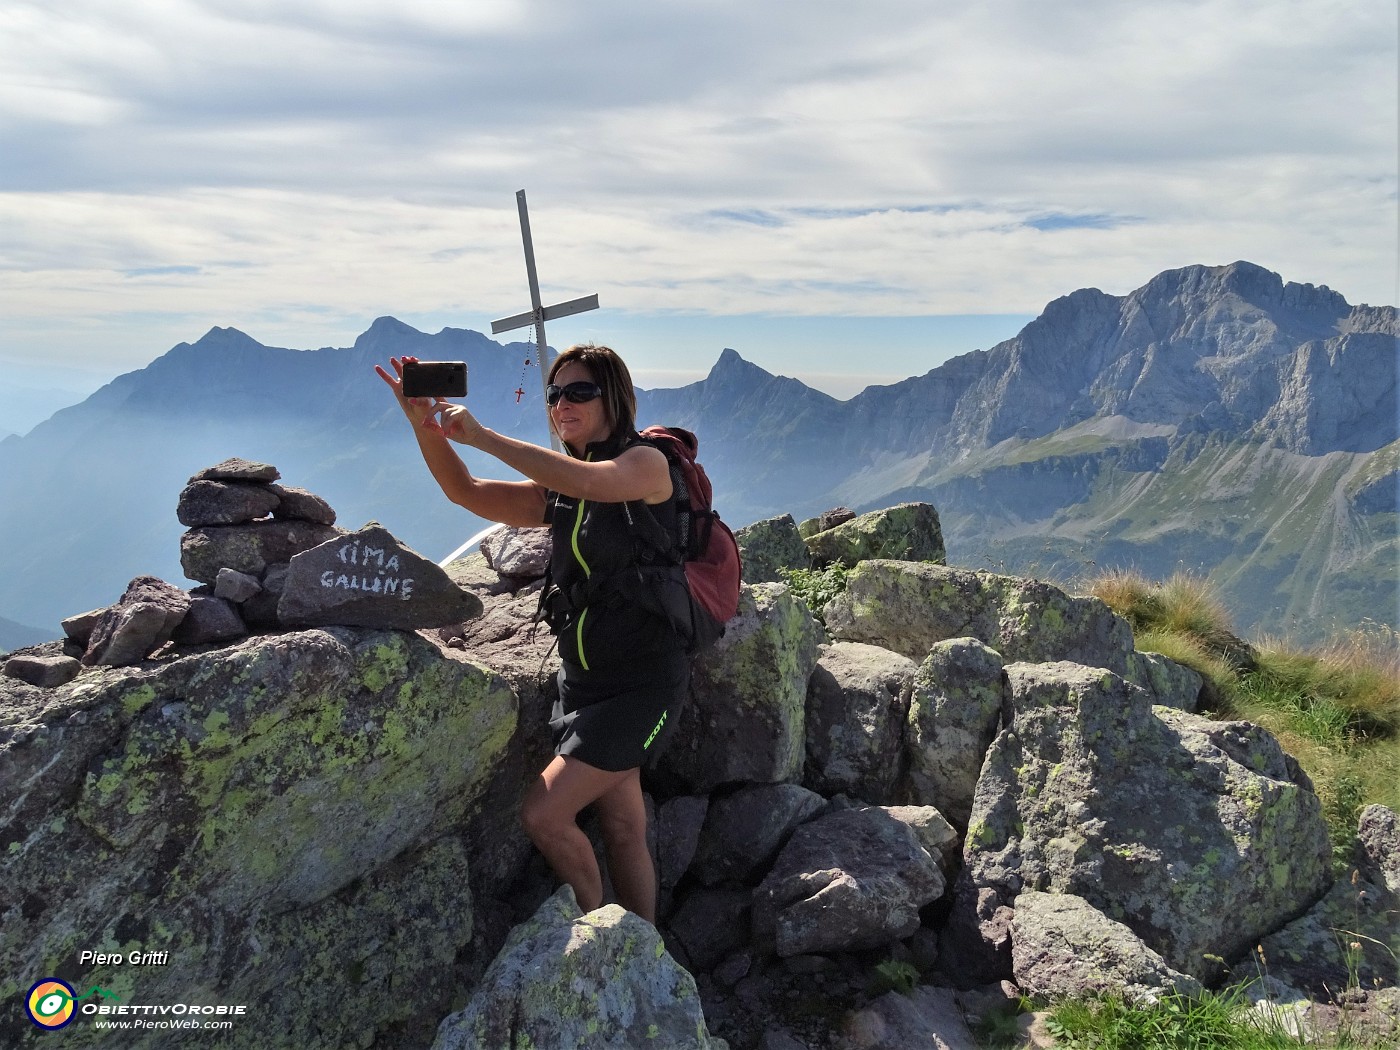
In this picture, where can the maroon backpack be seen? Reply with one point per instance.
(703, 543)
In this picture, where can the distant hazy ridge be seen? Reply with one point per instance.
(1217, 419)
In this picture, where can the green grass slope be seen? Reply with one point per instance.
(1298, 545)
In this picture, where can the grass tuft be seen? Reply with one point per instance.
(1335, 708)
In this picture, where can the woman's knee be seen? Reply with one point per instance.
(622, 817)
(540, 819)
(623, 829)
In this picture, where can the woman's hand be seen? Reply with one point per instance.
(417, 409)
(454, 422)
(430, 413)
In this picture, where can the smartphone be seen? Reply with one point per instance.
(434, 379)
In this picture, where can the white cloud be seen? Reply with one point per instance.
(178, 163)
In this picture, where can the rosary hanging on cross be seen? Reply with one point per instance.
(520, 390)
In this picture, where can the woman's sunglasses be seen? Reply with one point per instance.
(576, 393)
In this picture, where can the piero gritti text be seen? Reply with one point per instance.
(118, 959)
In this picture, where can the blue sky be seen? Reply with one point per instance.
(847, 193)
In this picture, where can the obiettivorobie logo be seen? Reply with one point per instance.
(50, 1002)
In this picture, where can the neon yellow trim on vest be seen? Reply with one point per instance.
(578, 638)
(587, 572)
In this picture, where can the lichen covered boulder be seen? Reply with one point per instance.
(768, 546)
(954, 711)
(747, 717)
(1350, 938)
(1064, 947)
(569, 981)
(907, 532)
(269, 814)
(857, 702)
(851, 880)
(909, 607)
(1199, 836)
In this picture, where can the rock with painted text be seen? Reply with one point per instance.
(370, 579)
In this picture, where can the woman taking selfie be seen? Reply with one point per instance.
(624, 670)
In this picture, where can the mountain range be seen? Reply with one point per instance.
(1218, 421)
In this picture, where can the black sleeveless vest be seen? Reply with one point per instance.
(595, 603)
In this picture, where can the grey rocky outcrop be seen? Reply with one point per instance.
(955, 704)
(857, 703)
(263, 812)
(851, 879)
(905, 532)
(747, 716)
(744, 831)
(1351, 937)
(1200, 836)
(771, 545)
(911, 606)
(1064, 947)
(570, 981)
(979, 778)
(142, 621)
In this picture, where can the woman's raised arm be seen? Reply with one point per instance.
(518, 503)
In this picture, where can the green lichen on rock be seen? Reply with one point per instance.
(905, 532)
(954, 710)
(910, 607)
(748, 719)
(568, 981)
(1194, 834)
(269, 814)
(768, 547)
(1350, 940)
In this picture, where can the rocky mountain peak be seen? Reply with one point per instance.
(733, 370)
(386, 327)
(223, 340)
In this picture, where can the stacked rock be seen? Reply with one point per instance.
(265, 556)
(244, 530)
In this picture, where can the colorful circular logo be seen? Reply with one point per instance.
(50, 1003)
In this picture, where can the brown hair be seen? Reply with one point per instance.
(610, 373)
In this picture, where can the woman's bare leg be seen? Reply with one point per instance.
(623, 816)
(549, 815)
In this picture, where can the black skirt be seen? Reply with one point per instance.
(620, 720)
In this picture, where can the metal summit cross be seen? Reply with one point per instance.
(539, 314)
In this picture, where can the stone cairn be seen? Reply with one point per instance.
(245, 532)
